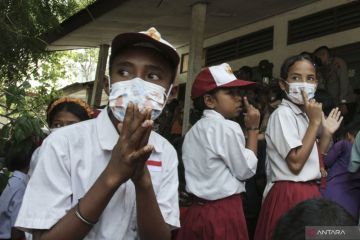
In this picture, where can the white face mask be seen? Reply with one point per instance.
(142, 93)
(295, 91)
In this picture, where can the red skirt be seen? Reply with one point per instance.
(283, 196)
(220, 219)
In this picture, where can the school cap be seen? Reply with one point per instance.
(150, 38)
(214, 77)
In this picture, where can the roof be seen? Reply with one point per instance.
(101, 21)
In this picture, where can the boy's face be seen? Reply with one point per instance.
(226, 101)
(144, 63)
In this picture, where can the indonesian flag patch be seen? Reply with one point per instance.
(154, 165)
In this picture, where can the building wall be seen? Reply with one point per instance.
(280, 49)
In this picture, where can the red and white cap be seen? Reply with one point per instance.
(150, 38)
(214, 77)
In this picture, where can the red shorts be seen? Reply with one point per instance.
(220, 219)
(283, 196)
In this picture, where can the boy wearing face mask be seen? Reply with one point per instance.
(112, 177)
(292, 153)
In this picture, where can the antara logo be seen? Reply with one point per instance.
(331, 232)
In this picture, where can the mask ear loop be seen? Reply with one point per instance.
(109, 85)
(167, 96)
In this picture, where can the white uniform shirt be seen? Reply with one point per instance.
(215, 158)
(70, 161)
(286, 128)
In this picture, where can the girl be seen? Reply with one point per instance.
(292, 154)
(66, 111)
(60, 113)
(217, 159)
(343, 187)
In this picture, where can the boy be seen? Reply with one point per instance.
(94, 160)
(216, 157)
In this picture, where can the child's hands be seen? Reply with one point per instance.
(323, 172)
(131, 152)
(312, 109)
(252, 117)
(333, 121)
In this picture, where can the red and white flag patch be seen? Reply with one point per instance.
(154, 165)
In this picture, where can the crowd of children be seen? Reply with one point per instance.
(113, 177)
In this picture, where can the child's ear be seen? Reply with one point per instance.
(106, 85)
(282, 85)
(209, 101)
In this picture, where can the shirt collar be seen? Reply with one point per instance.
(22, 176)
(292, 106)
(108, 135)
(212, 114)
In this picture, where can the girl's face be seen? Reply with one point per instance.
(300, 72)
(226, 101)
(64, 118)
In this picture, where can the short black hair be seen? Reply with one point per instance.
(19, 154)
(119, 51)
(244, 73)
(199, 103)
(289, 62)
(313, 212)
(70, 107)
(322, 48)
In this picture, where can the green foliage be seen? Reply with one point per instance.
(23, 57)
(24, 60)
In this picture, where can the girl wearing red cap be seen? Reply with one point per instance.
(292, 159)
(217, 158)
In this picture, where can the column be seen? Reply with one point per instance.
(198, 19)
(100, 73)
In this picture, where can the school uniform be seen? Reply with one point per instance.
(216, 165)
(10, 202)
(69, 162)
(286, 129)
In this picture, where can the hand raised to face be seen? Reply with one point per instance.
(132, 149)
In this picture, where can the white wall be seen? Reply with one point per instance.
(280, 49)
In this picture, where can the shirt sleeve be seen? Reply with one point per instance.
(168, 197)
(282, 131)
(230, 144)
(48, 194)
(15, 205)
(333, 154)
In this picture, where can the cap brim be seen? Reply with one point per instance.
(124, 40)
(238, 83)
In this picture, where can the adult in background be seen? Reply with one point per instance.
(335, 73)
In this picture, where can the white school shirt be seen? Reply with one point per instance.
(215, 158)
(286, 128)
(70, 161)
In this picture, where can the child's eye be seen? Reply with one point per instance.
(123, 73)
(57, 125)
(296, 78)
(311, 79)
(153, 76)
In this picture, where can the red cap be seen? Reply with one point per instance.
(216, 76)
